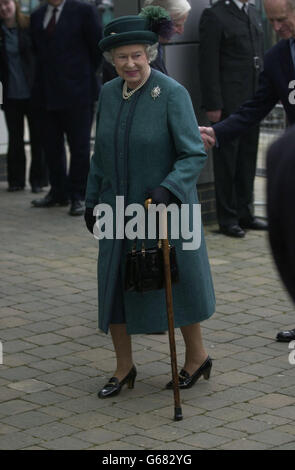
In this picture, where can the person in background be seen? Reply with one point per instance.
(65, 35)
(17, 72)
(231, 58)
(178, 10)
(275, 84)
(106, 9)
(275, 80)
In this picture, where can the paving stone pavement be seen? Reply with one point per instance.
(55, 359)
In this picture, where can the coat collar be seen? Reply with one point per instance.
(234, 10)
(42, 12)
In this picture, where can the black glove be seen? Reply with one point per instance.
(160, 195)
(90, 219)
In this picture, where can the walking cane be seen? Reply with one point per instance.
(169, 306)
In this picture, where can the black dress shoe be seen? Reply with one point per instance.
(49, 201)
(254, 224)
(187, 381)
(232, 231)
(113, 387)
(77, 208)
(286, 336)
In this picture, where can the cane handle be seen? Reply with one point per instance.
(147, 202)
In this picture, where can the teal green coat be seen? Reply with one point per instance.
(140, 144)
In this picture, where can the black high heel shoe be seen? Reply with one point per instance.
(187, 381)
(113, 387)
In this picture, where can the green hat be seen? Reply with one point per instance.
(126, 30)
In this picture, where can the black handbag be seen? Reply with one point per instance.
(145, 268)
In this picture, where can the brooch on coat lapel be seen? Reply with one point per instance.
(155, 93)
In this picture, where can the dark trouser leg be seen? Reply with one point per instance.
(78, 128)
(54, 147)
(225, 160)
(245, 175)
(38, 170)
(16, 158)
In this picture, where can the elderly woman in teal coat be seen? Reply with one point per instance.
(147, 145)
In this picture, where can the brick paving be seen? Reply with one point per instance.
(55, 359)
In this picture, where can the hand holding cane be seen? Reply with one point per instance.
(170, 314)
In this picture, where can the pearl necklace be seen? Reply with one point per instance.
(126, 94)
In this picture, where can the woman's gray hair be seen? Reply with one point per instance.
(175, 8)
(151, 53)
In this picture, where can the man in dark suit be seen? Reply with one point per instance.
(276, 83)
(281, 214)
(66, 35)
(231, 58)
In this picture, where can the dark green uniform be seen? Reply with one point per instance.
(231, 51)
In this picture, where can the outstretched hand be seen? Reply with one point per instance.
(208, 137)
